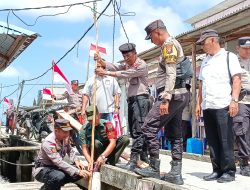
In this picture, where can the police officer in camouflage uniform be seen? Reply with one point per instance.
(167, 110)
(136, 71)
(241, 122)
(108, 148)
(50, 168)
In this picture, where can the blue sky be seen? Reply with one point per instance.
(59, 33)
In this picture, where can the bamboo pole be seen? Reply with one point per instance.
(194, 90)
(94, 102)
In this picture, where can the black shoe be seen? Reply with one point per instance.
(226, 178)
(212, 176)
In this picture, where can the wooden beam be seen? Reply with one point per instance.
(19, 148)
(19, 40)
(4, 57)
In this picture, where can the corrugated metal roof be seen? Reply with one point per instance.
(229, 28)
(214, 10)
(13, 41)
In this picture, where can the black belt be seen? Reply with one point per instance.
(134, 98)
(159, 90)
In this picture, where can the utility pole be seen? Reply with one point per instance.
(20, 95)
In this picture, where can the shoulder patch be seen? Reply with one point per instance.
(169, 53)
(109, 126)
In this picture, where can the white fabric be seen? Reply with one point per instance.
(106, 88)
(216, 88)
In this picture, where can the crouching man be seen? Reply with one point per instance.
(108, 148)
(50, 168)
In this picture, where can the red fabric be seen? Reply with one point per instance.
(117, 124)
(58, 71)
(80, 119)
(110, 130)
(47, 91)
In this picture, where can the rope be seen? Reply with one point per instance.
(16, 164)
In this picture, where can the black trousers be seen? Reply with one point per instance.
(138, 108)
(218, 127)
(241, 127)
(54, 178)
(172, 123)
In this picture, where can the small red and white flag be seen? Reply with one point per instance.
(93, 49)
(7, 102)
(47, 91)
(58, 76)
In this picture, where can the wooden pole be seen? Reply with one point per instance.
(94, 102)
(194, 90)
(20, 96)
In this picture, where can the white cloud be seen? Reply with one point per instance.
(12, 72)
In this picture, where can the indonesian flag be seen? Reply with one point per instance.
(7, 102)
(93, 48)
(58, 76)
(47, 91)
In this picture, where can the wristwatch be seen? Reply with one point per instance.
(103, 157)
(118, 107)
(235, 100)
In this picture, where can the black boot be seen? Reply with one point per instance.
(132, 164)
(144, 157)
(174, 176)
(153, 170)
(244, 168)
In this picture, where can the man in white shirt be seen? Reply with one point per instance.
(218, 99)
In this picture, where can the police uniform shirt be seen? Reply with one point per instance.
(171, 54)
(106, 88)
(74, 99)
(52, 153)
(103, 132)
(245, 78)
(137, 76)
(216, 87)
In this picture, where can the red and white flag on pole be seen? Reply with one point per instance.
(58, 76)
(93, 48)
(47, 91)
(47, 94)
(7, 102)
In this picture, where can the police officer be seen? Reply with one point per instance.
(136, 72)
(74, 98)
(74, 104)
(108, 148)
(167, 110)
(241, 122)
(50, 168)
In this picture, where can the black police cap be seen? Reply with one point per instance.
(152, 26)
(127, 47)
(74, 82)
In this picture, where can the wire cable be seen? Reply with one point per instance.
(40, 16)
(78, 41)
(119, 14)
(49, 7)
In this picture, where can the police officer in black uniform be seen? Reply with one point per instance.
(241, 122)
(167, 110)
(135, 71)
